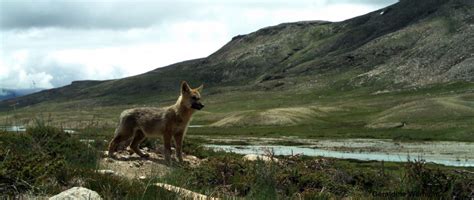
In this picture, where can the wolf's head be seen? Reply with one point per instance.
(191, 98)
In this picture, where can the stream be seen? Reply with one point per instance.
(446, 153)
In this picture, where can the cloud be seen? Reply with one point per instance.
(55, 57)
(37, 70)
(125, 14)
(50, 43)
(87, 14)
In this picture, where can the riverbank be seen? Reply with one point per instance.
(440, 152)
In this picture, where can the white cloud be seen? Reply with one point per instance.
(53, 53)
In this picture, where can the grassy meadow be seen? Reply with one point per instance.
(44, 161)
(438, 112)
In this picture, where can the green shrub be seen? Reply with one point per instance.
(264, 184)
(425, 181)
(57, 143)
(113, 187)
(41, 160)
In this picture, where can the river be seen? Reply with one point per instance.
(439, 152)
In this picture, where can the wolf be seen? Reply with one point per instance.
(169, 122)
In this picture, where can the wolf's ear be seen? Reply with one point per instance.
(185, 87)
(199, 89)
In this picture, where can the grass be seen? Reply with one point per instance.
(310, 178)
(348, 131)
(437, 112)
(45, 161)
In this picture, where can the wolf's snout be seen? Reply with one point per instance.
(197, 106)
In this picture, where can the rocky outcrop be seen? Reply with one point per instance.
(134, 167)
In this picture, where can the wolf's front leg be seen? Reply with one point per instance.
(178, 139)
(167, 144)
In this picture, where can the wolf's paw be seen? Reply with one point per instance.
(110, 155)
(145, 155)
(130, 151)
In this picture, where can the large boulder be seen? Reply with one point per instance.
(77, 193)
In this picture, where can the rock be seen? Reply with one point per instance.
(253, 157)
(137, 164)
(185, 193)
(77, 193)
(142, 177)
(387, 125)
(106, 171)
(192, 157)
(109, 160)
(192, 160)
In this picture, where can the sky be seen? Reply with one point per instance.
(50, 43)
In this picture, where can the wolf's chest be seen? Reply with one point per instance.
(177, 126)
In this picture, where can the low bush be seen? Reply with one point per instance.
(41, 160)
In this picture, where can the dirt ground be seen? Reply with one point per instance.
(134, 167)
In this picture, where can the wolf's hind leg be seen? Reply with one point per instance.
(167, 144)
(137, 139)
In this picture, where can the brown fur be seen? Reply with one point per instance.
(169, 122)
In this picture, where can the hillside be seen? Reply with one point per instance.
(355, 73)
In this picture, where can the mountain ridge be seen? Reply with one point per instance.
(407, 44)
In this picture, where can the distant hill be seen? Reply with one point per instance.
(409, 44)
(12, 93)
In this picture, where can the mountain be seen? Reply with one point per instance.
(391, 65)
(411, 43)
(12, 93)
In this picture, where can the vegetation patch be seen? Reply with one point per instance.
(45, 161)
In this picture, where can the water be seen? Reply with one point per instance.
(13, 128)
(22, 128)
(310, 151)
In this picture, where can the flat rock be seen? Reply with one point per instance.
(107, 171)
(77, 193)
(253, 157)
